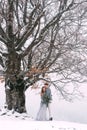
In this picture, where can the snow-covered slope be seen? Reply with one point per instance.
(13, 121)
(40, 125)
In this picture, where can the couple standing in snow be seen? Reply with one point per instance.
(46, 98)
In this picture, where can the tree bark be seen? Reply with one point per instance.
(15, 100)
(14, 84)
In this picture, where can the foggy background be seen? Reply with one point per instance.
(62, 110)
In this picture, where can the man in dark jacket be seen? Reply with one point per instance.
(49, 98)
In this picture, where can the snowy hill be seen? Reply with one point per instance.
(18, 123)
(13, 121)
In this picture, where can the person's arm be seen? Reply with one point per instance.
(50, 95)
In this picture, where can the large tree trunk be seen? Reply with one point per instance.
(14, 86)
(15, 100)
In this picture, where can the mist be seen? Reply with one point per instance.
(62, 110)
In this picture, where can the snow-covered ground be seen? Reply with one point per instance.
(33, 125)
(14, 121)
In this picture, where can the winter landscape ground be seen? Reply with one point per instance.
(13, 121)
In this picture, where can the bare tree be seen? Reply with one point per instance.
(39, 37)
